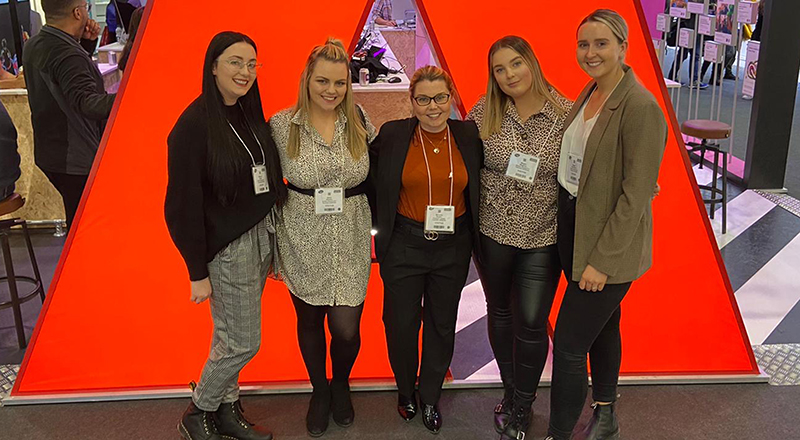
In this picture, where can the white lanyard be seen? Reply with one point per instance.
(428, 168)
(263, 156)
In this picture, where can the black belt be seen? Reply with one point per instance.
(361, 188)
(416, 228)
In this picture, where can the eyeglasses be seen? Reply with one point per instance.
(238, 65)
(87, 6)
(423, 100)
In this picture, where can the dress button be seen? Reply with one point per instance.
(509, 211)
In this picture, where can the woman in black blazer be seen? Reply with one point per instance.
(425, 171)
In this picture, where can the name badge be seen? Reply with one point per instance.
(440, 219)
(522, 167)
(328, 200)
(574, 169)
(260, 182)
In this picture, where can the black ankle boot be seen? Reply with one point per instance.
(518, 424)
(197, 424)
(602, 426)
(319, 410)
(341, 405)
(502, 412)
(231, 423)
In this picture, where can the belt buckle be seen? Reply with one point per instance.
(431, 235)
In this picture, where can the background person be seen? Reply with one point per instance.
(9, 156)
(69, 104)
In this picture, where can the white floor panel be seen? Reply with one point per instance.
(472, 306)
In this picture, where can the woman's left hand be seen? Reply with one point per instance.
(593, 280)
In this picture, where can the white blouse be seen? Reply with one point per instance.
(573, 146)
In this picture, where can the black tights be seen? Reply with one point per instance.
(519, 285)
(343, 323)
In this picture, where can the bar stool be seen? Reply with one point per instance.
(7, 206)
(708, 130)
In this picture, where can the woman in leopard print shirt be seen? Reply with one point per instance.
(520, 119)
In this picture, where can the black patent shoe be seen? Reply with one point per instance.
(602, 426)
(502, 412)
(197, 424)
(341, 405)
(432, 418)
(407, 406)
(319, 410)
(518, 424)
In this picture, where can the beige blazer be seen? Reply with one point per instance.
(614, 221)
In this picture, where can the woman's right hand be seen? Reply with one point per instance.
(201, 290)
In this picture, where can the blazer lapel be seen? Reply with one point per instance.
(461, 144)
(398, 158)
(613, 103)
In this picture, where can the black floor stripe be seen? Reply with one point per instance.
(788, 331)
(472, 350)
(753, 248)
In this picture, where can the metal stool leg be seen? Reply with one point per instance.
(714, 174)
(12, 287)
(724, 192)
(34, 264)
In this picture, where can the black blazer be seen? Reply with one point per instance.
(387, 157)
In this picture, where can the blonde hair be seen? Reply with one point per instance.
(333, 50)
(497, 101)
(612, 19)
(431, 73)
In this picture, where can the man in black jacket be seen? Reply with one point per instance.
(69, 104)
(9, 157)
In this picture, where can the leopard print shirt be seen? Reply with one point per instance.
(512, 212)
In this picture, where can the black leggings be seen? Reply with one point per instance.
(519, 285)
(588, 322)
(343, 323)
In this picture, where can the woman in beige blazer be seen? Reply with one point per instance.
(610, 157)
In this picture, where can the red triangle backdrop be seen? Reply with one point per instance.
(117, 317)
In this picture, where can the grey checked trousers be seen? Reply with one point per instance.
(237, 274)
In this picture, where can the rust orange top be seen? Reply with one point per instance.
(414, 192)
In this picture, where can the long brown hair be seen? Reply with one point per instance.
(497, 101)
(333, 50)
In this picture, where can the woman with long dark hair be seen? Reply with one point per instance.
(324, 229)
(610, 157)
(520, 118)
(224, 181)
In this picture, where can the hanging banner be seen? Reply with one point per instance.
(751, 65)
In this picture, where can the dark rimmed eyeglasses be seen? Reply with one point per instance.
(423, 100)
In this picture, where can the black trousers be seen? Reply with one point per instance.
(416, 270)
(71, 189)
(520, 285)
(588, 322)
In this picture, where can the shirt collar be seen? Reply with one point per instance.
(548, 110)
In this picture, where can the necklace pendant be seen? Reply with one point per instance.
(436, 150)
